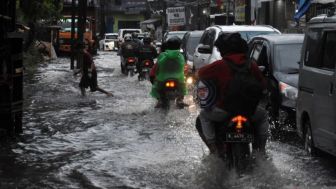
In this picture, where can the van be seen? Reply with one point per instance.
(316, 103)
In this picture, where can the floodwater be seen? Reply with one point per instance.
(96, 141)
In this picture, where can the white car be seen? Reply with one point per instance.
(206, 53)
(109, 43)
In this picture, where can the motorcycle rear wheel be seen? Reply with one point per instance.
(238, 156)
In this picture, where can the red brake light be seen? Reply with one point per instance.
(131, 60)
(239, 120)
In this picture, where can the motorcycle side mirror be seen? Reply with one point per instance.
(204, 49)
(262, 68)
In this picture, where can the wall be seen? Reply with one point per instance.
(124, 17)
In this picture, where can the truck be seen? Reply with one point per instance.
(65, 35)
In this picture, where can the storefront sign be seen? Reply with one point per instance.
(176, 16)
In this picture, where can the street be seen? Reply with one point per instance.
(96, 141)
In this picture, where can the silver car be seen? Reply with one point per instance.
(206, 53)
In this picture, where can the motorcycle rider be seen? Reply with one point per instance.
(146, 52)
(170, 64)
(136, 39)
(233, 49)
(128, 49)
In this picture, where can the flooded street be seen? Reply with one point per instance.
(124, 142)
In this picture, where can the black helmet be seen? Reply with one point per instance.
(231, 43)
(127, 37)
(134, 35)
(147, 40)
(173, 43)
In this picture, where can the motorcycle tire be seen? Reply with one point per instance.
(131, 73)
(238, 156)
(147, 76)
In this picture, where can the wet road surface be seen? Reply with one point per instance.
(123, 142)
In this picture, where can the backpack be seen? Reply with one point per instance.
(244, 91)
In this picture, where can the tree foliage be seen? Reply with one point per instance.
(35, 10)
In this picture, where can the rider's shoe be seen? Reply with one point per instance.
(213, 148)
(158, 104)
(180, 103)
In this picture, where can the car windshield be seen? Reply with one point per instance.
(287, 57)
(130, 32)
(191, 44)
(179, 35)
(111, 36)
(247, 35)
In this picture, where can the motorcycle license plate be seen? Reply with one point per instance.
(171, 94)
(239, 137)
(145, 70)
(130, 67)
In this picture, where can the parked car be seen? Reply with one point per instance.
(189, 44)
(278, 57)
(122, 33)
(206, 52)
(316, 104)
(109, 43)
(170, 34)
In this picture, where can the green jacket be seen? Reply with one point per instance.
(170, 66)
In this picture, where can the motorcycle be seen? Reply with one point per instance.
(146, 66)
(234, 139)
(169, 91)
(130, 66)
(234, 136)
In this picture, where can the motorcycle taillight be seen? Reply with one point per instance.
(239, 120)
(131, 60)
(170, 84)
(147, 63)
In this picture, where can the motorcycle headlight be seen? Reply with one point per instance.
(190, 80)
(288, 91)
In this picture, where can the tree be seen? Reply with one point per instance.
(35, 10)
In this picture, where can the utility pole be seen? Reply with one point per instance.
(73, 17)
(81, 30)
(102, 18)
(227, 11)
(165, 23)
(198, 15)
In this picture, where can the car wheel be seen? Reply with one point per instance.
(308, 140)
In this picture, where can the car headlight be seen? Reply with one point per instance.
(288, 91)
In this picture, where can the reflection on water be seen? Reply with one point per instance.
(123, 142)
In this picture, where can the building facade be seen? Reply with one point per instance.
(118, 14)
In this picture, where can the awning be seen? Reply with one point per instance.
(323, 1)
(150, 21)
(303, 8)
